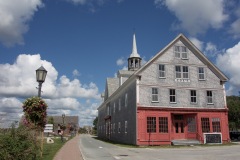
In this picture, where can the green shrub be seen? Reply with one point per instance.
(19, 144)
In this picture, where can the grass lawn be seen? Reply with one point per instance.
(49, 150)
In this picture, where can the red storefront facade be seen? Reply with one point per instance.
(159, 126)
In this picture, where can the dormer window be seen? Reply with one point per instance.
(181, 52)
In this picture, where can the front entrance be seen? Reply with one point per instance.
(179, 126)
(108, 129)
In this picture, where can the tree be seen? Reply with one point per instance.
(50, 120)
(95, 122)
(233, 103)
(82, 130)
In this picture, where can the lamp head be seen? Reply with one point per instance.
(41, 74)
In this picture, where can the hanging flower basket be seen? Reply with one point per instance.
(35, 113)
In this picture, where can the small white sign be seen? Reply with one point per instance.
(48, 128)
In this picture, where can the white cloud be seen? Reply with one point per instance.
(62, 95)
(196, 16)
(20, 80)
(235, 29)
(81, 2)
(10, 111)
(211, 47)
(68, 88)
(88, 113)
(15, 16)
(211, 50)
(76, 73)
(229, 63)
(199, 44)
(121, 61)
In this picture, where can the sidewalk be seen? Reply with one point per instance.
(70, 150)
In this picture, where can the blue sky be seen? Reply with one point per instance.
(81, 42)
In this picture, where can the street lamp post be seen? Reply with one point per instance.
(63, 116)
(41, 74)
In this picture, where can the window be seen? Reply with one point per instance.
(161, 71)
(181, 52)
(193, 96)
(119, 127)
(216, 124)
(177, 51)
(201, 73)
(172, 95)
(209, 97)
(185, 72)
(126, 99)
(184, 52)
(106, 129)
(163, 124)
(205, 125)
(114, 107)
(154, 95)
(113, 127)
(178, 72)
(191, 121)
(108, 109)
(182, 72)
(119, 104)
(125, 126)
(151, 124)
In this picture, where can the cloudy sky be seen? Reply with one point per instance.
(81, 42)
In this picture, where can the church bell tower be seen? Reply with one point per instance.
(134, 61)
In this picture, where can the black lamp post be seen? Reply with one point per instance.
(63, 116)
(41, 74)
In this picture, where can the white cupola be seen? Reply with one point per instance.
(134, 61)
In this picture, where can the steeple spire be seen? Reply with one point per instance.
(134, 48)
(134, 61)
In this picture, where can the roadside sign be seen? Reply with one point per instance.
(48, 128)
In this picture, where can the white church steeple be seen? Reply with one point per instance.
(134, 61)
(134, 48)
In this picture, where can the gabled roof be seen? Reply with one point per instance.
(194, 50)
(125, 73)
(67, 119)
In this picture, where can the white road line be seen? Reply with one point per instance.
(116, 157)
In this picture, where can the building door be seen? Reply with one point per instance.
(179, 127)
(108, 129)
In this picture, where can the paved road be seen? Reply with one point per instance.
(93, 149)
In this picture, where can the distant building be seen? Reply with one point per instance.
(88, 129)
(68, 121)
(178, 94)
